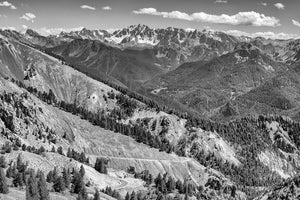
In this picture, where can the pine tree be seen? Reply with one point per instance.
(78, 183)
(60, 151)
(42, 187)
(82, 157)
(21, 167)
(170, 184)
(32, 192)
(59, 185)
(96, 195)
(101, 165)
(18, 180)
(82, 171)
(3, 183)
(9, 172)
(82, 195)
(54, 174)
(127, 197)
(53, 149)
(180, 186)
(69, 153)
(50, 177)
(157, 180)
(133, 196)
(67, 178)
(233, 191)
(3, 163)
(162, 187)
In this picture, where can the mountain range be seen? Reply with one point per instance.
(205, 114)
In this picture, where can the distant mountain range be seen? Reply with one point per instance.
(208, 71)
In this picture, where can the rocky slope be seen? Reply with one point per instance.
(249, 154)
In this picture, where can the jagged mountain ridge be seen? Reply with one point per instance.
(171, 46)
(130, 66)
(179, 45)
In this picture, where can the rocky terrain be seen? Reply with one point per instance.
(73, 91)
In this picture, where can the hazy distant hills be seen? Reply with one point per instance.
(209, 85)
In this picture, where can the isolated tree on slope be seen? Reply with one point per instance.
(3, 183)
(101, 165)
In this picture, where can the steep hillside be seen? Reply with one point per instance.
(25, 120)
(34, 123)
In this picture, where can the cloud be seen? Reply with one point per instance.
(271, 35)
(8, 4)
(221, 1)
(87, 7)
(28, 17)
(54, 31)
(106, 8)
(24, 27)
(242, 18)
(296, 23)
(280, 6)
(264, 4)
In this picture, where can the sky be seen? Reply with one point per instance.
(269, 18)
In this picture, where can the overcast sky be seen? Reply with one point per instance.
(278, 18)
